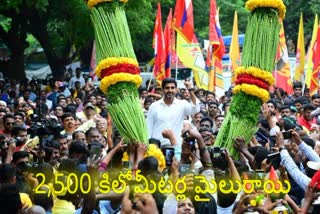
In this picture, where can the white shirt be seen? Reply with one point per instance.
(162, 116)
(73, 80)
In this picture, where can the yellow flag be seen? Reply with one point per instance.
(309, 68)
(300, 57)
(234, 47)
(191, 56)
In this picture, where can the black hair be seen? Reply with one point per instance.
(5, 117)
(59, 136)
(212, 103)
(205, 129)
(167, 81)
(7, 173)
(308, 107)
(47, 170)
(76, 132)
(44, 200)
(309, 141)
(284, 107)
(220, 115)
(16, 129)
(315, 96)
(68, 114)
(210, 92)
(10, 198)
(302, 100)
(207, 119)
(77, 146)
(147, 100)
(141, 89)
(18, 155)
(297, 84)
(20, 114)
(273, 103)
(71, 108)
(92, 129)
(202, 112)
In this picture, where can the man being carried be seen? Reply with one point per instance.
(169, 112)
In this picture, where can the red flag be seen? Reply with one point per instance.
(216, 48)
(316, 65)
(158, 45)
(282, 73)
(168, 34)
(184, 19)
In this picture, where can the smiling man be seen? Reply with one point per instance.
(169, 112)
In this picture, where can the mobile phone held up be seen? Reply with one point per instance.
(274, 159)
(287, 135)
(169, 154)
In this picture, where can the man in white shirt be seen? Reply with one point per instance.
(169, 112)
(78, 77)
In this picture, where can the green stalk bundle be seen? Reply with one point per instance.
(261, 40)
(113, 40)
(111, 32)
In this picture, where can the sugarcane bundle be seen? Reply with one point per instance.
(254, 76)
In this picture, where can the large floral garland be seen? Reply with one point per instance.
(253, 81)
(154, 151)
(277, 4)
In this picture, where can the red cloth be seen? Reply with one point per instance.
(307, 124)
(315, 179)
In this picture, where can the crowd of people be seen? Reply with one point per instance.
(61, 153)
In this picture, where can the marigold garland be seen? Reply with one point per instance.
(256, 72)
(253, 90)
(154, 151)
(110, 61)
(278, 4)
(92, 3)
(119, 77)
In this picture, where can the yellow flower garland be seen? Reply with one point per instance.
(256, 72)
(119, 77)
(253, 90)
(92, 3)
(110, 61)
(154, 151)
(278, 4)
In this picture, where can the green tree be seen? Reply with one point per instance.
(61, 27)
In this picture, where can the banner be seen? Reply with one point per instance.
(191, 56)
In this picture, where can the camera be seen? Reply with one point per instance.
(218, 157)
(190, 141)
(43, 127)
(4, 143)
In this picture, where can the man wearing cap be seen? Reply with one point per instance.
(88, 113)
(62, 89)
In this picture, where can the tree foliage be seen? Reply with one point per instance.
(64, 30)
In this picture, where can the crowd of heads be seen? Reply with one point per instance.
(64, 127)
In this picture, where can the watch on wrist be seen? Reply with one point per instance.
(190, 89)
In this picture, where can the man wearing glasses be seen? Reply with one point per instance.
(8, 122)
